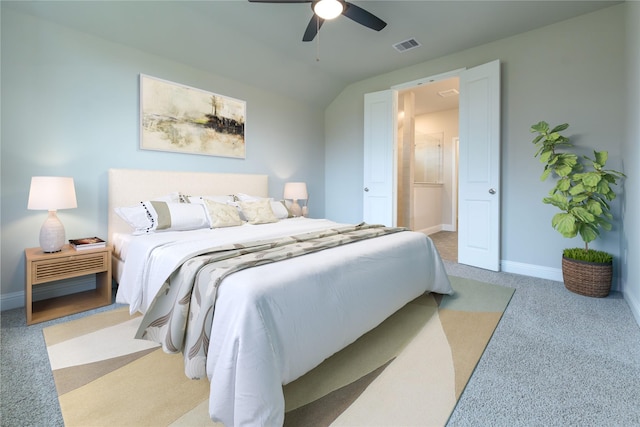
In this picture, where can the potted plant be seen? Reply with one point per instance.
(582, 193)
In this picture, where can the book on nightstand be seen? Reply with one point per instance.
(87, 243)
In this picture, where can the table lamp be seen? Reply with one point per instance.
(295, 191)
(51, 193)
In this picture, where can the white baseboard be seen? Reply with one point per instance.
(532, 270)
(436, 228)
(49, 290)
(431, 230)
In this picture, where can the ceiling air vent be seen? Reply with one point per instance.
(449, 92)
(406, 45)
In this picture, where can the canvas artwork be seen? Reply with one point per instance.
(179, 118)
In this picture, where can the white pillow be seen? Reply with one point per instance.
(258, 211)
(200, 199)
(222, 214)
(280, 209)
(151, 216)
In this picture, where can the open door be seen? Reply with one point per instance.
(479, 163)
(379, 202)
(479, 167)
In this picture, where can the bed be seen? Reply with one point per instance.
(264, 326)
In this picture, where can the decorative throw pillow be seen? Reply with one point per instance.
(222, 214)
(151, 216)
(258, 211)
(279, 208)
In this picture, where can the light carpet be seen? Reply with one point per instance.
(410, 370)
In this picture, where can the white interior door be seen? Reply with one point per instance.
(479, 167)
(478, 163)
(379, 202)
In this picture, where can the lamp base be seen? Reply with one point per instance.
(52, 234)
(295, 208)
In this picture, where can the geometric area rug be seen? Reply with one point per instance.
(410, 370)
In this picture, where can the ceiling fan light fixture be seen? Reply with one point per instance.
(328, 9)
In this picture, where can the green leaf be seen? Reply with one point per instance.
(579, 198)
(590, 178)
(588, 233)
(563, 184)
(583, 214)
(594, 207)
(563, 170)
(565, 223)
(545, 174)
(601, 157)
(541, 127)
(557, 200)
(554, 136)
(560, 128)
(545, 156)
(577, 189)
(603, 188)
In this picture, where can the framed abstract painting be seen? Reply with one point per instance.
(183, 119)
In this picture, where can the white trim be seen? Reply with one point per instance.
(532, 270)
(431, 230)
(455, 143)
(430, 79)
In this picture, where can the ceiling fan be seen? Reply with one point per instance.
(330, 9)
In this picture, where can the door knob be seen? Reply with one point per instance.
(366, 189)
(492, 191)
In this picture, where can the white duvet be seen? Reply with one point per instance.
(275, 322)
(151, 258)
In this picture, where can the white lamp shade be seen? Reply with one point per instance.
(51, 193)
(295, 191)
(328, 9)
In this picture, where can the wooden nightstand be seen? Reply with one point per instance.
(48, 267)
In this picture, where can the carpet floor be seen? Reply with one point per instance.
(410, 370)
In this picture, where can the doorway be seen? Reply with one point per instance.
(427, 137)
(479, 162)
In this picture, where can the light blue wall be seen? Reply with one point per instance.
(571, 72)
(70, 108)
(630, 243)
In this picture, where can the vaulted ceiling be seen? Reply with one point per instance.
(261, 44)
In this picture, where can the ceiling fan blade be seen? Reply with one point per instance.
(280, 1)
(363, 17)
(312, 29)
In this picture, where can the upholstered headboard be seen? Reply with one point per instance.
(127, 187)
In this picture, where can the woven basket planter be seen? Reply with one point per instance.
(590, 279)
